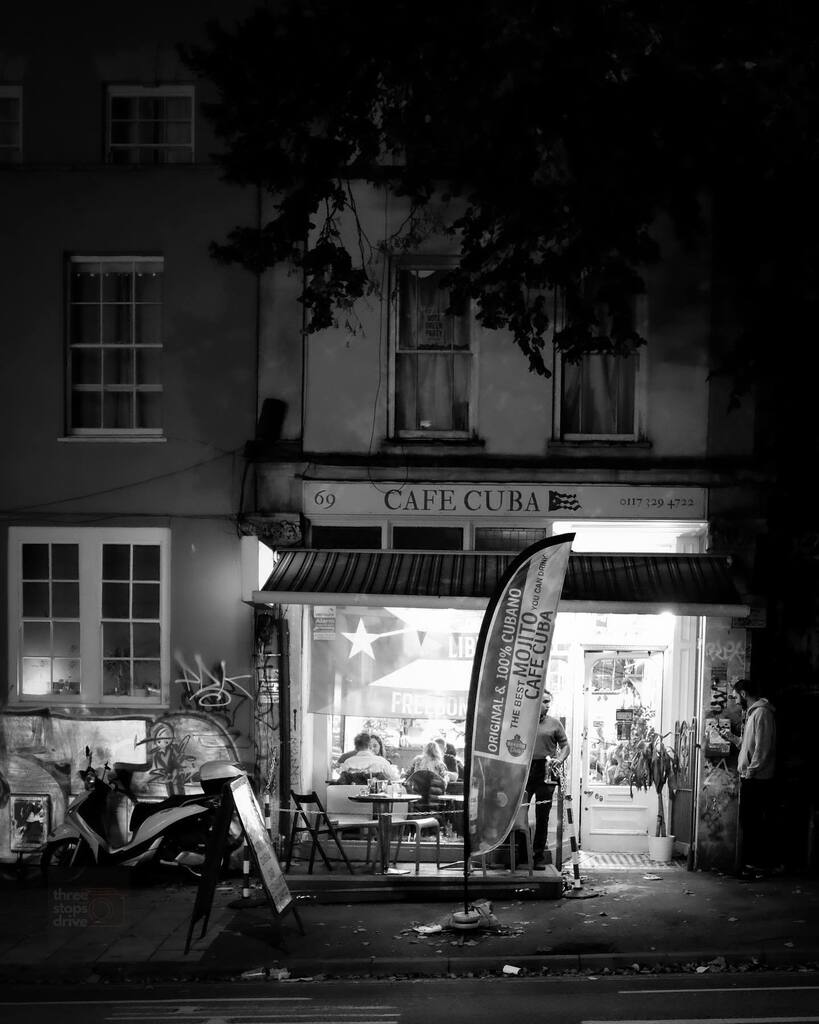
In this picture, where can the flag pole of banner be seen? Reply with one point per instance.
(508, 679)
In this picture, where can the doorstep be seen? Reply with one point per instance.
(429, 885)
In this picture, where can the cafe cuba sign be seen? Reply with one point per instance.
(508, 679)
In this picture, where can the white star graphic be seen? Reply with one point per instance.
(361, 640)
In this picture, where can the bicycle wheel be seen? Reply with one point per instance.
(65, 861)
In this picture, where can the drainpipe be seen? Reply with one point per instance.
(283, 636)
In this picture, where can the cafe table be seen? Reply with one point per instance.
(382, 805)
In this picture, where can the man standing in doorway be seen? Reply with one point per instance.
(551, 749)
(756, 766)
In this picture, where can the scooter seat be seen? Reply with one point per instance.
(127, 766)
(221, 770)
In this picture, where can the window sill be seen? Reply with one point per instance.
(598, 444)
(439, 441)
(64, 703)
(116, 438)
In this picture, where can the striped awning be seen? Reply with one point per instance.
(648, 584)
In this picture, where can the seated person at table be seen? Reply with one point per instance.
(432, 760)
(363, 762)
(376, 746)
(453, 762)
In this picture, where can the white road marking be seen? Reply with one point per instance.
(156, 1002)
(727, 988)
(710, 1020)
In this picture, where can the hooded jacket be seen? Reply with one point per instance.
(757, 753)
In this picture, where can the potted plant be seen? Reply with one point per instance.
(654, 763)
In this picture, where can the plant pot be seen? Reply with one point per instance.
(661, 848)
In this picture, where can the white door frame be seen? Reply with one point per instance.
(610, 818)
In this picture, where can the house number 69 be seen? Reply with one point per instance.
(324, 498)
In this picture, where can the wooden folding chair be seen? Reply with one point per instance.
(310, 816)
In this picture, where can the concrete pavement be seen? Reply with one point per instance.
(644, 919)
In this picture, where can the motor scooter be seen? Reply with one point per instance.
(170, 833)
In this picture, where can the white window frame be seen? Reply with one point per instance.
(428, 263)
(14, 92)
(90, 542)
(134, 388)
(640, 391)
(151, 92)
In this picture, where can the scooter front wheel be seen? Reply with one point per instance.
(65, 861)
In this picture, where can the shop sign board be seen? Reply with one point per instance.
(485, 499)
(508, 678)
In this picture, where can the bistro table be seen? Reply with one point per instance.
(382, 805)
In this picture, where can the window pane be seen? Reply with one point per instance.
(149, 410)
(9, 108)
(86, 366)
(123, 107)
(9, 135)
(427, 538)
(117, 410)
(66, 639)
(119, 366)
(86, 410)
(116, 678)
(85, 324)
(116, 640)
(35, 562)
(66, 675)
(116, 324)
(146, 601)
(178, 107)
(66, 561)
(117, 282)
(146, 561)
(500, 539)
(36, 604)
(146, 640)
(149, 282)
(123, 132)
(406, 391)
(65, 598)
(359, 537)
(116, 561)
(86, 280)
(147, 678)
(36, 676)
(148, 324)
(116, 600)
(37, 639)
(148, 365)
(599, 394)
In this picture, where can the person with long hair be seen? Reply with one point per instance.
(431, 760)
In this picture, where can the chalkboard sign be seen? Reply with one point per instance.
(258, 839)
(239, 797)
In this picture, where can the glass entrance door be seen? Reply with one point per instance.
(622, 698)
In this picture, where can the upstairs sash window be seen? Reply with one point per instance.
(433, 358)
(115, 345)
(150, 124)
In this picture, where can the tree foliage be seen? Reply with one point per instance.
(547, 134)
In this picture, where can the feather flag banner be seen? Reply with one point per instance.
(508, 679)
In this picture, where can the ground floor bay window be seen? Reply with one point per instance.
(88, 616)
(404, 673)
